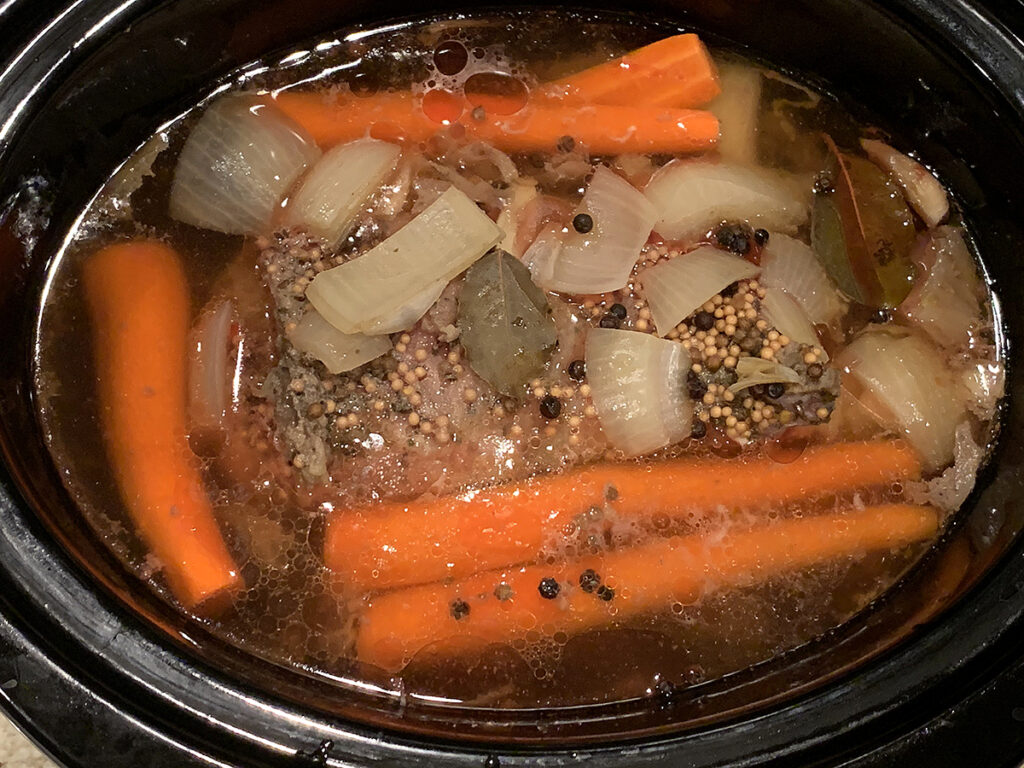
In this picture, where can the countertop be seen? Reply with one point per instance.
(18, 752)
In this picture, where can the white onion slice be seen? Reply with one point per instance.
(638, 384)
(922, 190)
(675, 289)
(905, 374)
(737, 108)
(945, 301)
(792, 266)
(338, 351)
(751, 371)
(789, 319)
(434, 247)
(338, 187)
(694, 196)
(985, 384)
(405, 317)
(600, 260)
(208, 382)
(237, 164)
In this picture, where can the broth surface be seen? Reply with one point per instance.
(302, 461)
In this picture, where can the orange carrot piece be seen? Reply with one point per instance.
(138, 303)
(603, 129)
(674, 72)
(395, 544)
(396, 626)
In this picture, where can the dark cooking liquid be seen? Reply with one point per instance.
(292, 611)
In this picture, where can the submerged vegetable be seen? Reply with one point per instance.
(208, 368)
(752, 371)
(505, 323)
(237, 164)
(338, 351)
(946, 300)
(737, 109)
(908, 378)
(337, 188)
(436, 246)
(863, 231)
(789, 318)
(693, 196)
(923, 191)
(638, 385)
(676, 288)
(601, 257)
(790, 265)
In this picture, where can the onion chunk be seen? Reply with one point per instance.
(337, 188)
(238, 162)
(369, 292)
(905, 374)
(638, 383)
(677, 288)
(600, 260)
(338, 351)
(694, 196)
(792, 266)
(923, 191)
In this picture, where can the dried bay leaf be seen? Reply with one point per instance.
(863, 232)
(505, 323)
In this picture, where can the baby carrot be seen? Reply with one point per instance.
(497, 606)
(674, 72)
(395, 544)
(603, 129)
(138, 304)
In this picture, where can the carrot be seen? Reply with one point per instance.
(603, 129)
(396, 544)
(138, 303)
(454, 618)
(674, 72)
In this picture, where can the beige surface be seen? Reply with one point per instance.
(18, 752)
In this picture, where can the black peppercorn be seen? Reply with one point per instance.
(734, 237)
(760, 236)
(815, 370)
(548, 588)
(605, 592)
(698, 430)
(589, 580)
(459, 609)
(776, 390)
(577, 370)
(617, 311)
(583, 223)
(609, 321)
(550, 407)
(824, 184)
(730, 290)
(704, 321)
(565, 144)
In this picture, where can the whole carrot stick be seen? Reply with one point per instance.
(497, 606)
(674, 72)
(138, 305)
(603, 129)
(395, 544)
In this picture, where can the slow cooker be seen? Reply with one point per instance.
(99, 672)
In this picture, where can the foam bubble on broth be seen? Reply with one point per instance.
(291, 416)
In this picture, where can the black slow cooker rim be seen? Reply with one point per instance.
(45, 595)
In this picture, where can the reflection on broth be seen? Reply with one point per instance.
(466, 363)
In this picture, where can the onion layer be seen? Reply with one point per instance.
(337, 188)
(237, 164)
(371, 291)
(923, 191)
(694, 196)
(905, 374)
(602, 259)
(782, 311)
(638, 383)
(675, 289)
(338, 351)
(792, 266)
(208, 382)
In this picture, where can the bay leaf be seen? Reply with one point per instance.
(863, 232)
(505, 323)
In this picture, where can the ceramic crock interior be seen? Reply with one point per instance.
(124, 84)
